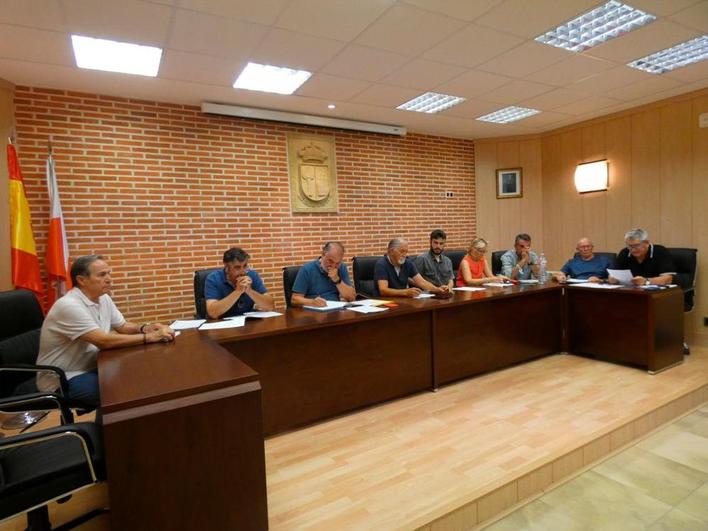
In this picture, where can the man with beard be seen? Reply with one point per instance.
(236, 289)
(394, 270)
(434, 266)
(323, 279)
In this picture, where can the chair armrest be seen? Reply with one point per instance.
(21, 367)
(18, 401)
(66, 430)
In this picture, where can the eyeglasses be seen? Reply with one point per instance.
(631, 246)
(481, 251)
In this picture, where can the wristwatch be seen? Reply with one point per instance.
(647, 282)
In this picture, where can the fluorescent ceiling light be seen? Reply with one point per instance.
(112, 56)
(675, 57)
(267, 78)
(508, 114)
(597, 26)
(591, 177)
(430, 102)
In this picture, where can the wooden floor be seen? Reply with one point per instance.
(460, 456)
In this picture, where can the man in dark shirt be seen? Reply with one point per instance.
(648, 262)
(393, 271)
(434, 266)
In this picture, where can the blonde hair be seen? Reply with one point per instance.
(477, 243)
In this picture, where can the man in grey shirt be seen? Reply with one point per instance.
(434, 266)
(520, 263)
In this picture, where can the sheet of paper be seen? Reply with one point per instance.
(186, 324)
(262, 315)
(230, 322)
(366, 309)
(331, 305)
(424, 296)
(623, 275)
(370, 302)
(598, 286)
(529, 281)
(576, 280)
(468, 288)
(497, 285)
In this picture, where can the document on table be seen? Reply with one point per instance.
(424, 296)
(598, 286)
(229, 322)
(366, 309)
(262, 315)
(529, 281)
(623, 275)
(498, 284)
(186, 324)
(331, 305)
(467, 288)
(576, 280)
(370, 302)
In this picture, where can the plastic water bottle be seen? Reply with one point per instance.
(542, 263)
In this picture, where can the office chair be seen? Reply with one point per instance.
(48, 465)
(289, 275)
(363, 268)
(686, 264)
(21, 319)
(496, 262)
(200, 277)
(456, 256)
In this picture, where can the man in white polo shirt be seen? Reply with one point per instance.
(81, 323)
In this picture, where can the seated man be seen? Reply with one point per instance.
(520, 263)
(393, 271)
(81, 323)
(324, 279)
(585, 265)
(434, 266)
(649, 263)
(236, 289)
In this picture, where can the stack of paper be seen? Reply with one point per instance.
(497, 284)
(366, 309)
(424, 296)
(186, 324)
(331, 305)
(468, 288)
(262, 315)
(229, 322)
(370, 302)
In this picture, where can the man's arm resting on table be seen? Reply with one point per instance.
(385, 291)
(128, 335)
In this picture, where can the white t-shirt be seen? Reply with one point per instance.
(72, 316)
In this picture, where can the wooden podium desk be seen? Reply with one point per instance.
(626, 325)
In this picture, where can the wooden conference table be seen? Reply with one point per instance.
(184, 422)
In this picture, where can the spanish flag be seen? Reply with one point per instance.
(25, 264)
(58, 279)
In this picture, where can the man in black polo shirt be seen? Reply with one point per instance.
(394, 270)
(648, 262)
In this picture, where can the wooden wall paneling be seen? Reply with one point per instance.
(485, 188)
(618, 149)
(6, 122)
(676, 174)
(646, 172)
(595, 203)
(552, 198)
(531, 206)
(571, 204)
(699, 225)
(509, 209)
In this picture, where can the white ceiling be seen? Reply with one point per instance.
(368, 56)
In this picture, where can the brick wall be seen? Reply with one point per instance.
(163, 189)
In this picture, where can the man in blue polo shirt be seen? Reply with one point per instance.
(394, 270)
(585, 265)
(236, 289)
(324, 279)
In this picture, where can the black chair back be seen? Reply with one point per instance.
(363, 268)
(200, 277)
(686, 264)
(289, 275)
(21, 321)
(496, 262)
(456, 256)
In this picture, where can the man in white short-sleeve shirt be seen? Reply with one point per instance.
(81, 323)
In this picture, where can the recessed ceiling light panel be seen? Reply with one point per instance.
(603, 23)
(508, 114)
(112, 56)
(430, 102)
(268, 78)
(677, 56)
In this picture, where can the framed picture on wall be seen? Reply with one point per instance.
(509, 183)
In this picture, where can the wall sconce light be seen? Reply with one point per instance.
(591, 176)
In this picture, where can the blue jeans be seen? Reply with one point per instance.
(84, 388)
